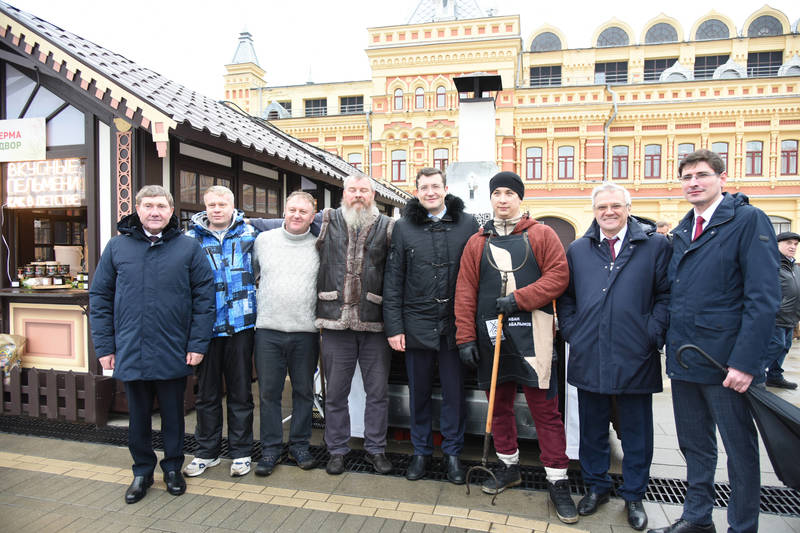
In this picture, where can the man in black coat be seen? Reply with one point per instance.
(614, 317)
(788, 314)
(152, 315)
(418, 291)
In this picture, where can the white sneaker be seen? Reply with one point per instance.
(240, 466)
(198, 466)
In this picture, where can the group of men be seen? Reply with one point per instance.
(432, 286)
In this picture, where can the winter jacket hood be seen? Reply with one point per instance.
(418, 215)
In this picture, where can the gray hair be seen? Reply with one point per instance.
(356, 177)
(152, 191)
(303, 196)
(219, 190)
(611, 187)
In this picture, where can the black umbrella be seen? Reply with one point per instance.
(778, 422)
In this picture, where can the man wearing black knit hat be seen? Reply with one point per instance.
(516, 266)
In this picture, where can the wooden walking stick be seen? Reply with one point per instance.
(487, 437)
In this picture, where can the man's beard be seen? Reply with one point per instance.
(359, 215)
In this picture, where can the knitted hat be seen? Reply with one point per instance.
(510, 180)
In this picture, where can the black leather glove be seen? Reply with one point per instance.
(468, 352)
(506, 305)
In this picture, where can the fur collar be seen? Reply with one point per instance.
(418, 215)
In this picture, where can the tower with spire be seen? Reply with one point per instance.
(243, 73)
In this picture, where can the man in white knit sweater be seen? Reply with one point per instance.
(286, 262)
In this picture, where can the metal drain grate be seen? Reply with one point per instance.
(777, 500)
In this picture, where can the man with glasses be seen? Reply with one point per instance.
(614, 316)
(724, 296)
(419, 318)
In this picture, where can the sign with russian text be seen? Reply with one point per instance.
(46, 184)
(23, 139)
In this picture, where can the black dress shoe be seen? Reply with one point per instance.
(417, 467)
(335, 464)
(176, 485)
(637, 517)
(455, 470)
(682, 526)
(781, 383)
(379, 462)
(138, 488)
(589, 503)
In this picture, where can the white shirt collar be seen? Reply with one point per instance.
(152, 234)
(708, 213)
(620, 234)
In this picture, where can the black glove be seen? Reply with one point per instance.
(468, 352)
(506, 305)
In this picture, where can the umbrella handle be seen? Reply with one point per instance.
(493, 383)
(678, 356)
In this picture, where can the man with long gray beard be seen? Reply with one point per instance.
(353, 243)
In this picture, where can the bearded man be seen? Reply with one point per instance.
(353, 244)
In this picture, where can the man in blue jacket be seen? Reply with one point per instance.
(228, 243)
(614, 316)
(151, 315)
(724, 296)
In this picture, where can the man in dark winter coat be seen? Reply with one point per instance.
(418, 296)
(353, 244)
(788, 314)
(151, 315)
(614, 317)
(724, 294)
(528, 255)
(228, 242)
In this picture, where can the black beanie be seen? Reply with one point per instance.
(510, 180)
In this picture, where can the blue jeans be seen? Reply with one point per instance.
(699, 410)
(636, 430)
(420, 365)
(779, 345)
(276, 352)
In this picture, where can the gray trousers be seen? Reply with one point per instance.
(340, 352)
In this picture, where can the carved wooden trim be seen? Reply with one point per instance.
(123, 164)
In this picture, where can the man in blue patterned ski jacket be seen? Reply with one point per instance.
(227, 242)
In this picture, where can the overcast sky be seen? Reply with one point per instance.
(190, 41)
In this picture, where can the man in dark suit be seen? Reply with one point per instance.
(151, 316)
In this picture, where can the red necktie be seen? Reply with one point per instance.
(611, 243)
(698, 227)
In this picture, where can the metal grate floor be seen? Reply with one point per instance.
(776, 500)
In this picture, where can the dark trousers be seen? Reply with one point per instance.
(700, 409)
(231, 359)
(277, 352)
(340, 352)
(140, 437)
(779, 345)
(636, 429)
(549, 427)
(420, 366)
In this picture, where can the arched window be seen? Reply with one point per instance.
(398, 165)
(764, 26)
(398, 99)
(419, 98)
(546, 42)
(440, 97)
(652, 161)
(753, 156)
(789, 158)
(533, 163)
(441, 157)
(355, 159)
(684, 149)
(566, 162)
(721, 149)
(619, 162)
(661, 33)
(780, 224)
(613, 36)
(712, 29)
